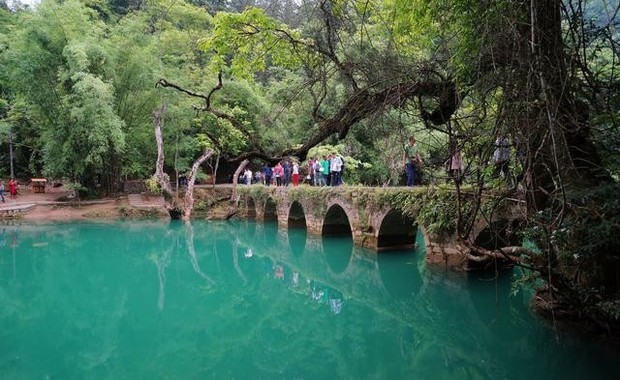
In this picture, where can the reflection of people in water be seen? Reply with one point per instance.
(316, 292)
(335, 301)
(295, 278)
(279, 273)
(335, 305)
(248, 253)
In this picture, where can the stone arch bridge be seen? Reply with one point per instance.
(370, 215)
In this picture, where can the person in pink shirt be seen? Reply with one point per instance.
(278, 172)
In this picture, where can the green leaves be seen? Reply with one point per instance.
(90, 136)
(248, 42)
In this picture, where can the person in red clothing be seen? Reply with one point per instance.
(13, 188)
(295, 174)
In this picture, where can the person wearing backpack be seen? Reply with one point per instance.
(318, 173)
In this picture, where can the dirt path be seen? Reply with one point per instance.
(54, 206)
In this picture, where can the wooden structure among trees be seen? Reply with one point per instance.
(38, 185)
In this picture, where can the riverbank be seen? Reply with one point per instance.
(57, 204)
(563, 318)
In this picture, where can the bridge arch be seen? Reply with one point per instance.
(270, 211)
(339, 219)
(497, 234)
(296, 216)
(396, 231)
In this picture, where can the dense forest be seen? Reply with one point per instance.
(81, 81)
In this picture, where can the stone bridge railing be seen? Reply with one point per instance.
(373, 216)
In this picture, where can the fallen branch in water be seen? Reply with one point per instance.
(514, 254)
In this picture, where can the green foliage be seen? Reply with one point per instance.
(258, 193)
(610, 308)
(436, 211)
(247, 42)
(153, 185)
(86, 84)
(584, 249)
(354, 169)
(92, 135)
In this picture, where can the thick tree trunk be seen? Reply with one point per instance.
(217, 165)
(560, 152)
(162, 177)
(189, 193)
(233, 196)
(164, 180)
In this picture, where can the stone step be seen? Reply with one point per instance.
(143, 201)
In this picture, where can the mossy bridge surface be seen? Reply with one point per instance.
(388, 218)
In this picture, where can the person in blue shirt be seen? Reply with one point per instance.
(267, 174)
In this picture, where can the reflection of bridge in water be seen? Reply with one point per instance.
(355, 273)
(397, 285)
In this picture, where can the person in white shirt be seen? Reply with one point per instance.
(295, 174)
(336, 169)
(247, 175)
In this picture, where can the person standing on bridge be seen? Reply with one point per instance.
(295, 175)
(2, 190)
(247, 176)
(501, 157)
(335, 167)
(411, 160)
(325, 171)
(278, 172)
(267, 173)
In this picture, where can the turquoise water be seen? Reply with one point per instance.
(240, 300)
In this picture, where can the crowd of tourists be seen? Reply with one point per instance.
(325, 171)
(328, 170)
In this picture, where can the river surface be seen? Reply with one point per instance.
(244, 300)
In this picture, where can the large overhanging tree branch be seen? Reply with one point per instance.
(237, 124)
(361, 105)
(248, 42)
